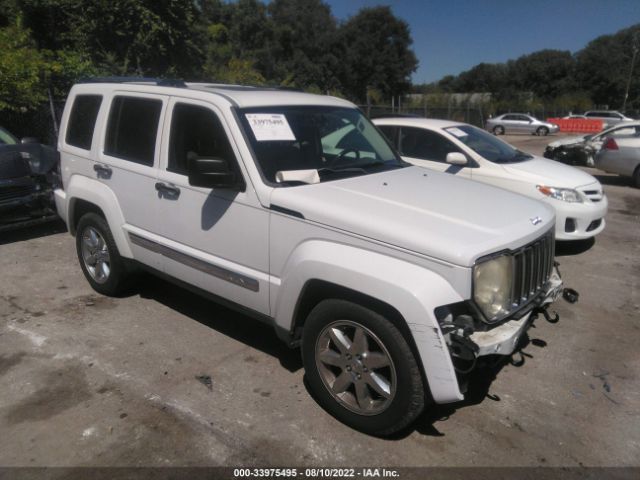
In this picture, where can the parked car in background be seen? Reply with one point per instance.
(609, 117)
(581, 149)
(519, 123)
(28, 174)
(466, 151)
(574, 117)
(620, 152)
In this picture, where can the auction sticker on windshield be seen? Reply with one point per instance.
(457, 132)
(270, 126)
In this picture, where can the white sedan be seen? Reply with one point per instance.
(467, 151)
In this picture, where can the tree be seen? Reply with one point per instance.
(29, 75)
(375, 52)
(547, 73)
(303, 44)
(603, 68)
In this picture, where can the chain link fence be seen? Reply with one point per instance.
(39, 122)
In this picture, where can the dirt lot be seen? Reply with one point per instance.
(87, 380)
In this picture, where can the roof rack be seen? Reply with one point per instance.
(162, 82)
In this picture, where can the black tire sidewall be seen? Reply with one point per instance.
(542, 131)
(498, 130)
(409, 397)
(118, 273)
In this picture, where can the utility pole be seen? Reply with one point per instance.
(635, 47)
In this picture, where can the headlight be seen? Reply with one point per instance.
(492, 283)
(564, 194)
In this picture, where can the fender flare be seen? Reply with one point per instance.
(412, 290)
(89, 190)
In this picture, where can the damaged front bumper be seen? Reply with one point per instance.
(504, 339)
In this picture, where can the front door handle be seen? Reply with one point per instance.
(103, 171)
(168, 190)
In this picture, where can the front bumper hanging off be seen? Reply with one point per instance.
(504, 339)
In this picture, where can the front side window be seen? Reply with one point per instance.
(425, 144)
(133, 128)
(196, 132)
(487, 145)
(391, 133)
(336, 142)
(82, 120)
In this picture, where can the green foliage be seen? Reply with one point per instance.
(376, 53)
(295, 43)
(22, 66)
(27, 73)
(596, 74)
(604, 67)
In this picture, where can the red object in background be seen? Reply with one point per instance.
(610, 144)
(577, 125)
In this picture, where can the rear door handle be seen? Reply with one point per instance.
(103, 171)
(168, 190)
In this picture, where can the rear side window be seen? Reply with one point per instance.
(82, 120)
(196, 132)
(133, 128)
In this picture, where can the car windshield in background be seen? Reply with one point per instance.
(334, 142)
(6, 138)
(487, 145)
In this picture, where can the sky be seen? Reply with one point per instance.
(450, 36)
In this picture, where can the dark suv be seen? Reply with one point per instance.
(28, 174)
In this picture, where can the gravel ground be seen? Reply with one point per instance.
(87, 380)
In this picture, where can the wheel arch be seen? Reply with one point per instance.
(86, 195)
(403, 292)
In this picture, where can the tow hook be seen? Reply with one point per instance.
(570, 295)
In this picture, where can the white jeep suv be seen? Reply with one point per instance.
(294, 208)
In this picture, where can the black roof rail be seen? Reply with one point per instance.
(162, 82)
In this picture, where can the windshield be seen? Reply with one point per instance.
(334, 142)
(6, 138)
(487, 145)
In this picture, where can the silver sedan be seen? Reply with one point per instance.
(520, 123)
(620, 152)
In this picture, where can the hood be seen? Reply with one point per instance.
(427, 212)
(548, 172)
(567, 141)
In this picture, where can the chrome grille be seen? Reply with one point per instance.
(533, 266)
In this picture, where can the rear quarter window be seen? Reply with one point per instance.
(82, 120)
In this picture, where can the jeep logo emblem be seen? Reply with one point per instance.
(536, 220)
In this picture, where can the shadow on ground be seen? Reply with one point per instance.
(233, 324)
(574, 247)
(36, 231)
(614, 180)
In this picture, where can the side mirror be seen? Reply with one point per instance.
(27, 140)
(210, 173)
(457, 158)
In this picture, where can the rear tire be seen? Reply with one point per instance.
(542, 131)
(360, 368)
(636, 177)
(498, 130)
(101, 263)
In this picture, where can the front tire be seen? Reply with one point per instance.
(360, 368)
(498, 130)
(542, 131)
(636, 177)
(101, 263)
